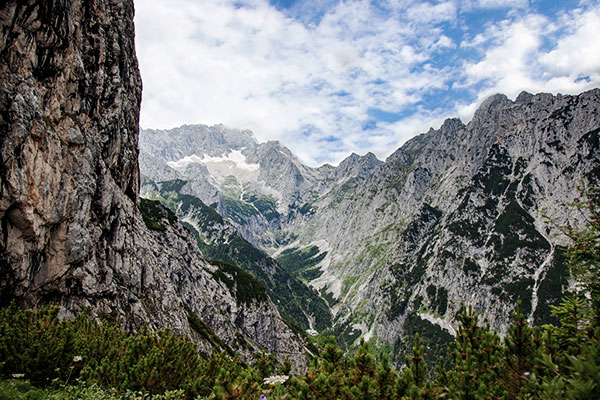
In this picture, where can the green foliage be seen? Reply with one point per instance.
(574, 315)
(144, 180)
(434, 338)
(519, 291)
(20, 390)
(299, 262)
(439, 298)
(521, 348)
(247, 289)
(36, 343)
(583, 255)
(514, 230)
(476, 358)
(23, 390)
(172, 186)
(154, 215)
(551, 287)
(40, 347)
(153, 362)
(492, 176)
(345, 334)
(266, 206)
(411, 382)
(94, 392)
(239, 210)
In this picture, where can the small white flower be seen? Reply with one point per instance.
(77, 358)
(17, 376)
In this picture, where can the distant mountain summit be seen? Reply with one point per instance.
(453, 217)
(260, 187)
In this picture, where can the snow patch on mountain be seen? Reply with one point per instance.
(233, 162)
(184, 162)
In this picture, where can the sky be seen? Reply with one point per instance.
(328, 78)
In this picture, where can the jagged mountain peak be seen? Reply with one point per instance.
(524, 97)
(355, 158)
(187, 140)
(451, 125)
(356, 165)
(490, 107)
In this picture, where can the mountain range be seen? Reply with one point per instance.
(460, 215)
(239, 245)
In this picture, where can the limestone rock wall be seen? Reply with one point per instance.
(69, 99)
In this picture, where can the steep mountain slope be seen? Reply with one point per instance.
(453, 217)
(71, 229)
(219, 240)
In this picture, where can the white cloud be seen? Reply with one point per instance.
(248, 65)
(253, 67)
(428, 13)
(576, 54)
(508, 64)
(516, 58)
(502, 3)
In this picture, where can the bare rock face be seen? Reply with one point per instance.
(72, 233)
(69, 100)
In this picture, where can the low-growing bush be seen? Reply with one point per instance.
(38, 346)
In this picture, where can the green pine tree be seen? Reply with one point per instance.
(412, 381)
(520, 351)
(475, 359)
(386, 378)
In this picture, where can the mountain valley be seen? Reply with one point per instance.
(247, 255)
(458, 215)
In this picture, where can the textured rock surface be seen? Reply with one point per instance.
(71, 229)
(70, 101)
(248, 326)
(455, 217)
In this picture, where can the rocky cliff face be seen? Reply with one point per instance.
(70, 100)
(218, 240)
(71, 229)
(456, 217)
(453, 217)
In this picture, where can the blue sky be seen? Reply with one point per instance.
(329, 77)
